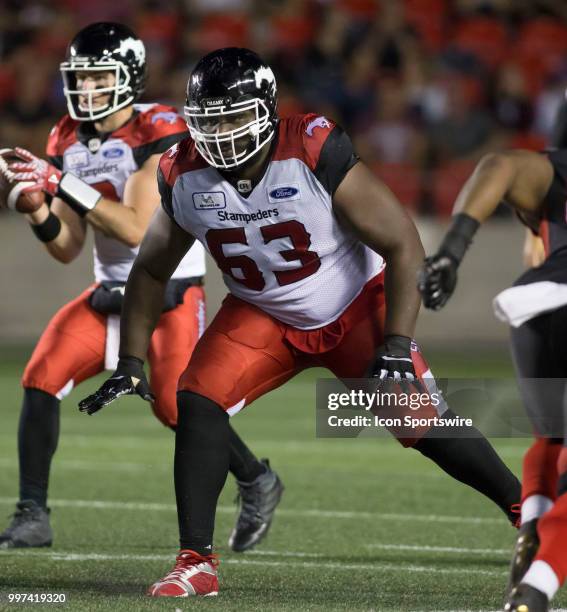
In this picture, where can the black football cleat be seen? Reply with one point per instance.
(258, 501)
(526, 598)
(29, 528)
(525, 550)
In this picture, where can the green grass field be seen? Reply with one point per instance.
(364, 524)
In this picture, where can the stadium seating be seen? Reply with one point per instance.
(447, 181)
(540, 50)
(528, 140)
(404, 180)
(224, 30)
(484, 38)
(427, 17)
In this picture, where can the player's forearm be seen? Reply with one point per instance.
(402, 297)
(487, 187)
(143, 303)
(117, 221)
(64, 246)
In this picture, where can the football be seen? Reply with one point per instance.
(11, 195)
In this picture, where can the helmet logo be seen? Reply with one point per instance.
(134, 45)
(264, 73)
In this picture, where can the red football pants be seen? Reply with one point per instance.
(72, 348)
(246, 353)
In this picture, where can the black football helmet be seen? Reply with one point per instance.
(231, 106)
(103, 47)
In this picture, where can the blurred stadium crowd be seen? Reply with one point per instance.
(424, 87)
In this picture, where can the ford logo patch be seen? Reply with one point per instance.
(282, 193)
(113, 153)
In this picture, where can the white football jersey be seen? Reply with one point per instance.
(107, 164)
(280, 248)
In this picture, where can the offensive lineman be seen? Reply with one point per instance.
(535, 185)
(102, 172)
(296, 223)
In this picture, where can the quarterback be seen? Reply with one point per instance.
(103, 158)
(301, 230)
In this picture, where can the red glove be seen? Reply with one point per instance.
(44, 175)
(20, 195)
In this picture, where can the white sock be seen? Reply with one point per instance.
(543, 578)
(535, 506)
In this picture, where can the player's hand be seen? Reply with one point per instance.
(393, 361)
(43, 175)
(128, 379)
(437, 280)
(13, 192)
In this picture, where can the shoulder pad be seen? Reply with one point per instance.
(182, 157)
(303, 136)
(62, 136)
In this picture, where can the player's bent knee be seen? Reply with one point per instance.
(166, 416)
(38, 376)
(165, 412)
(191, 405)
(38, 403)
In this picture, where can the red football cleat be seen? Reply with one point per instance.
(193, 574)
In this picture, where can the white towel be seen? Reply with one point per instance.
(517, 305)
(112, 342)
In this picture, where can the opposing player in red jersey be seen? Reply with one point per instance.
(102, 173)
(299, 227)
(535, 185)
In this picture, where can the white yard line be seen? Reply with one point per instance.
(318, 565)
(96, 466)
(330, 514)
(70, 556)
(443, 549)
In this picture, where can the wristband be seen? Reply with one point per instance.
(401, 344)
(459, 237)
(129, 365)
(49, 229)
(77, 194)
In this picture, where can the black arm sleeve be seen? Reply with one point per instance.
(337, 157)
(558, 159)
(57, 161)
(166, 194)
(559, 132)
(160, 145)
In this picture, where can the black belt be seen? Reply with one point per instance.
(108, 297)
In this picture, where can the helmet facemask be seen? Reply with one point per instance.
(120, 93)
(253, 127)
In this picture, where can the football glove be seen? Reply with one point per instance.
(13, 192)
(43, 175)
(393, 360)
(437, 280)
(128, 379)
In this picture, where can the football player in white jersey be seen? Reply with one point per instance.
(103, 158)
(302, 231)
